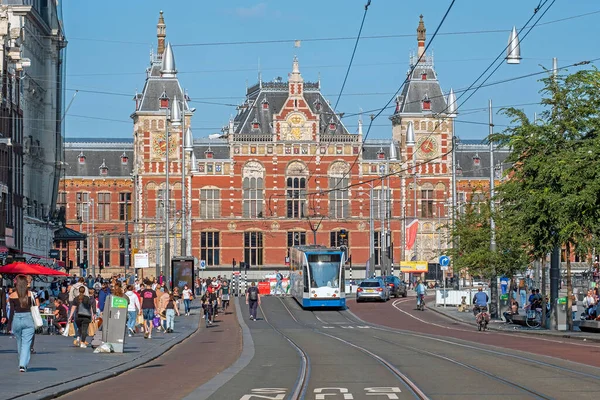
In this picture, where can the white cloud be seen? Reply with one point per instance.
(257, 10)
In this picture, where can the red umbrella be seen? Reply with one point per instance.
(20, 267)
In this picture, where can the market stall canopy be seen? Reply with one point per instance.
(68, 235)
(24, 268)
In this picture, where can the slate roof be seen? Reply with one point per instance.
(465, 154)
(155, 86)
(276, 93)
(219, 147)
(417, 89)
(96, 153)
(371, 149)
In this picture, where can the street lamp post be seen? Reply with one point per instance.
(494, 282)
(175, 119)
(411, 143)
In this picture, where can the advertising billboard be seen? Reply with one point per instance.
(182, 272)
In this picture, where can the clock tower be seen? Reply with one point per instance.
(426, 188)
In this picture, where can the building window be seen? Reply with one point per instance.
(338, 198)
(62, 247)
(104, 251)
(381, 203)
(476, 160)
(253, 248)
(62, 199)
(163, 100)
(427, 203)
(253, 197)
(210, 203)
(426, 105)
(160, 204)
(82, 206)
(81, 158)
(210, 248)
(122, 249)
(124, 159)
(103, 168)
(296, 197)
(265, 105)
(295, 238)
(338, 238)
(103, 206)
(460, 202)
(377, 247)
(125, 206)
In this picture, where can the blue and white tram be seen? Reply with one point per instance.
(317, 277)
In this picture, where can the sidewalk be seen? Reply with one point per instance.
(59, 367)
(499, 325)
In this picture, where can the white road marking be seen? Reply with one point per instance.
(319, 395)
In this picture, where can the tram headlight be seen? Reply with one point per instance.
(313, 292)
(336, 291)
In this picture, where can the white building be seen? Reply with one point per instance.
(42, 43)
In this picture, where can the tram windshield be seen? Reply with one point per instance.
(324, 270)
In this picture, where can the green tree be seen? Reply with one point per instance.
(553, 192)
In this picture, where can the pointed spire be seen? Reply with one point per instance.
(194, 162)
(421, 37)
(175, 116)
(295, 75)
(188, 142)
(393, 152)
(410, 134)
(360, 126)
(161, 34)
(168, 69)
(513, 50)
(451, 104)
(554, 67)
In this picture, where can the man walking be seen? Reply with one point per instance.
(253, 300)
(148, 308)
(279, 284)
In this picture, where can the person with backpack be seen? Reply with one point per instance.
(279, 283)
(253, 300)
(225, 295)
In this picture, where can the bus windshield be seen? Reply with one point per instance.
(324, 270)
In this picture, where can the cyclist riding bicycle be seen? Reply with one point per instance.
(480, 301)
(420, 289)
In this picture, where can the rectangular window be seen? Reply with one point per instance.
(210, 247)
(62, 199)
(381, 203)
(336, 239)
(426, 203)
(82, 206)
(210, 203)
(296, 197)
(103, 206)
(253, 248)
(377, 253)
(295, 238)
(122, 250)
(103, 250)
(125, 206)
(460, 202)
(253, 198)
(338, 198)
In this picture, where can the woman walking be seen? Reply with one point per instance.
(171, 309)
(22, 321)
(86, 313)
(187, 299)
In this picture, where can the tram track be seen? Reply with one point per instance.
(301, 384)
(409, 384)
(530, 361)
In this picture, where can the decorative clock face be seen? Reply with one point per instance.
(428, 146)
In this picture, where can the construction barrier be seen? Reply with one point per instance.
(264, 288)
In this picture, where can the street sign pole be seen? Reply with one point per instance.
(444, 263)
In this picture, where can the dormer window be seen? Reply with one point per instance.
(476, 160)
(318, 105)
(103, 168)
(332, 125)
(81, 158)
(255, 125)
(208, 153)
(164, 100)
(124, 159)
(426, 105)
(265, 104)
(380, 154)
(424, 76)
(458, 169)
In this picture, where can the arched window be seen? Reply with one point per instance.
(339, 178)
(210, 203)
(253, 190)
(296, 190)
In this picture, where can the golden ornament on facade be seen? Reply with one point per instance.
(275, 226)
(231, 226)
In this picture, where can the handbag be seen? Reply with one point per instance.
(139, 320)
(71, 329)
(67, 329)
(92, 328)
(35, 313)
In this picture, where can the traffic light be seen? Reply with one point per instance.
(85, 264)
(101, 264)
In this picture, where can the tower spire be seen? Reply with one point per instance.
(421, 37)
(161, 34)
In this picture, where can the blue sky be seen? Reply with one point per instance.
(110, 42)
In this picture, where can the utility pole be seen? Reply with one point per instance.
(382, 234)
(126, 244)
(494, 282)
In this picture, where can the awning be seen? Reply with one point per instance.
(68, 235)
(19, 267)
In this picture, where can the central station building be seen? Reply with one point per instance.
(284, 172)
